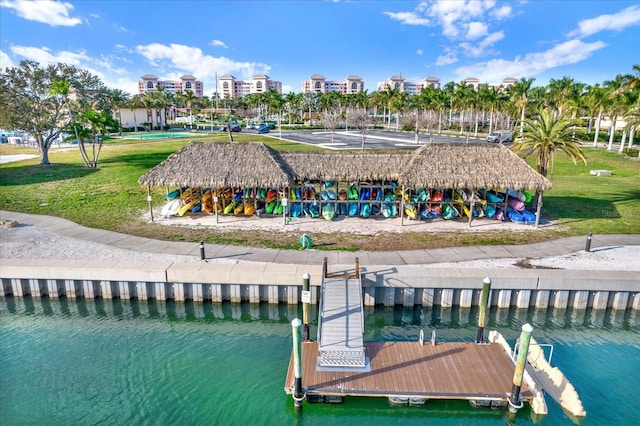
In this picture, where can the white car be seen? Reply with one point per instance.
(500, 136)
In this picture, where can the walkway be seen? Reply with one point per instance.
(314, 257)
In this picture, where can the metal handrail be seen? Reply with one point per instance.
(319, 332)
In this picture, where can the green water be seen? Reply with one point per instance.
(136, 363)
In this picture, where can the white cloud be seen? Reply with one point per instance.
(567, 53)
(616, 22)
(5, 61)
(449, 57)
(502, 12)
(44, 56)
(419, 52)
(191, 60)
(408, 18)
(484, 46)
(219, 43)
(54, 13)
(476, 30)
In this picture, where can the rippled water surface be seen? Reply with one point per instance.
(128, 362)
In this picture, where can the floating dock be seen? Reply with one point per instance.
(409, 370)
(341, 364)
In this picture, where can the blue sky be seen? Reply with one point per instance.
(120, 41)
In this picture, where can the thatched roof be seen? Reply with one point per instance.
(221, 165)
(346, 166)
(447, 165)
(475, 165)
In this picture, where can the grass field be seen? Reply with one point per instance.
(110, 197)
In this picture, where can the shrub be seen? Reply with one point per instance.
(631, 152)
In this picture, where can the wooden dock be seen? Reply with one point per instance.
(450, 370)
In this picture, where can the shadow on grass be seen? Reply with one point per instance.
(34, 174)
(583, 208)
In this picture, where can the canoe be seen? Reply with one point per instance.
(171, 208)
(353, 209)
(489, 211)
(184, 209)
(411, 211)
(173, 194)
(515, 204)
(517, 194)
(352, 194)
(514, 216)
(271, 205)
(493, 197)
(296, 209)
(528, 216)
(314, 209)
(328, 212)
(449, 212)
(365, 210)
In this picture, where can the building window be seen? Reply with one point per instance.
(225, 86)
(149, 84)
(396, 85)
(187, 85)
(354, 86)
(318, 85)
(259, 85)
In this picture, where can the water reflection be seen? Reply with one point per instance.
(380, 319)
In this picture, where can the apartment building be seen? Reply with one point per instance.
(317, 83)
(150, 82)
(230, 87)
(411, 87)
(503, 85)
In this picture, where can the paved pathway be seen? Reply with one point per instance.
(314, 257)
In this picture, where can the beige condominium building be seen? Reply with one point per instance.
(230, 87)
(317, 83)
(414, 87)
(150, 82)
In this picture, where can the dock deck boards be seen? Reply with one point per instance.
(445, 371)
(341, 315)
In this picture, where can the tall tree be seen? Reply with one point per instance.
(546, 134)
(520, 95)
(117, 98)
(30, 102)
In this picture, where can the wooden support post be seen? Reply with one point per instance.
(514, 398)
(482, 315)
(472, 205)
(215, 206)
(149, 200)
(298, 396)
(538, 208)
(357, 274)
(324, 267)
(306, 301)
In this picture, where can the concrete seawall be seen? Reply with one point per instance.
(257, 282)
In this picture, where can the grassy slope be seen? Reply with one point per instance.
(110, 198)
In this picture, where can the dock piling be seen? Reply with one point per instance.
(298, 396)
(482, 315)
(306, 301)
(514, 398)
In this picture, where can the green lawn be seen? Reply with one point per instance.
(110, 197)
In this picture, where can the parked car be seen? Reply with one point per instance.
(222, 128)
(236, 128)
(263, 128)
(500, 136)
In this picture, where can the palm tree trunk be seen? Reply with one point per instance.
(612, 132)
(522, 120)
(595, 137)
(622, 141)
(631, 135)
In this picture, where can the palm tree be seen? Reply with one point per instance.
(62, 88)
(148, 101)
(519, 95)
(117, 98)
(595, 102)
(547, 133)
(134, 104)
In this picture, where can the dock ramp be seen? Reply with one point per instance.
(341, 320)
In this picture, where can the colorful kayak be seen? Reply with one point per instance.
(314, 209)
(353, 209)
(365, 210)
(528, 216)
(328, 212)
(489, 211)
(514, 216)
(411, 211)
(515, 204)
(449, 212)
(171, 208)
(296, 209)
